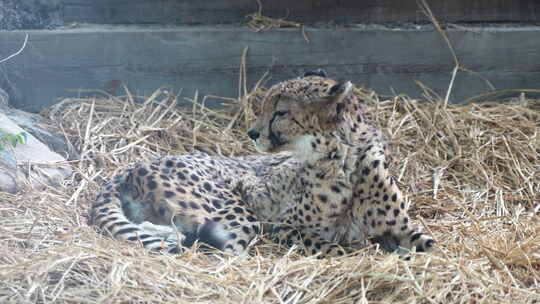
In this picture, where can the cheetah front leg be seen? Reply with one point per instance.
(379, 204)
(309, 242)
(240, 225)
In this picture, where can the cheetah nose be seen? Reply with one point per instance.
(253, 134)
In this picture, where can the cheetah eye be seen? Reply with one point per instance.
(277, 114)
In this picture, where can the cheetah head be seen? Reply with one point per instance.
(293, 112)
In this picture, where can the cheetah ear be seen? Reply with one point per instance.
(317, 72)
(338, 92)
(328, 110)
(336, 95)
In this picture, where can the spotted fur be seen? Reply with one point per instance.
(325, 186)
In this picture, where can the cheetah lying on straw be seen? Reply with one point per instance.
(329, 190)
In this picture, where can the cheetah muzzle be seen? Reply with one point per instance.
(325, 187)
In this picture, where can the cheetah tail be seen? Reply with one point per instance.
(209, 233)
(107, 214)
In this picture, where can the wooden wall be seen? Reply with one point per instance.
(349, 11)
(197, 45)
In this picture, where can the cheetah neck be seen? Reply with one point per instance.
(324, 156)
(318, 154)
(330, 153)
(329, 159)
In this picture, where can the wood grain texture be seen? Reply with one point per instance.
(348, 11)
(206, 59)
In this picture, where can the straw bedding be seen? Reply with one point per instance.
(471, 172)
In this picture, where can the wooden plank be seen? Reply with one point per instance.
(340, 11)
(206, 59)
(158, 11)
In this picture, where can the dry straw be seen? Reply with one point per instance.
(472, 173)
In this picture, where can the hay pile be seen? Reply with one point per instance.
(471, 172)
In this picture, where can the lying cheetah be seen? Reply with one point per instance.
(325, 187)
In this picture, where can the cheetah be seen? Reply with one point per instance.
(323, 184)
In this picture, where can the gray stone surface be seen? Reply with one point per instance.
(4, 100)
(31, 164)
(38, 126)
(206, 59)
(42, 129)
